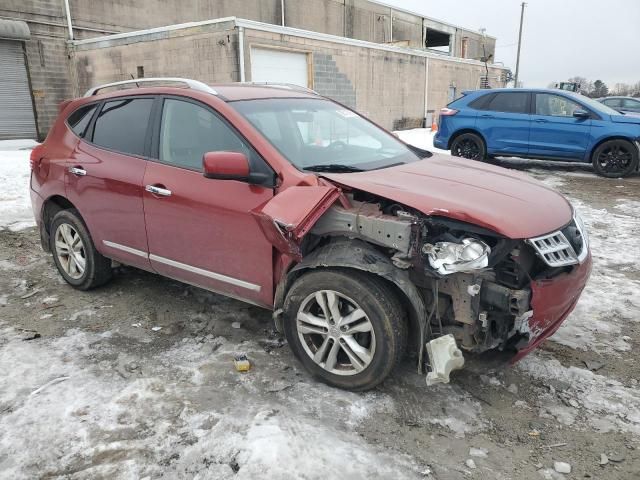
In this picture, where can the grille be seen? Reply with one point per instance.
(563, 247)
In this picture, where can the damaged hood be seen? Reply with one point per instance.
(509, 203)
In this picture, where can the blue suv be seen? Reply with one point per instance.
(544, 124)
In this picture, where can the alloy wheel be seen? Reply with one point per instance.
(615, 158)
(336, 333)
(467, 148)
(70, 251)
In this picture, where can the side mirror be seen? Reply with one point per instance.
(579, 113)
(226, 166)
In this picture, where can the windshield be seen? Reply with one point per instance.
(595, 105)
(319, 135)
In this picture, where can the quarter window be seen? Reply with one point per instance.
(555, 105)
(80, 119)
(122, 125)
(613, 102)
(633, 104)
(188, 131)
(511, 102)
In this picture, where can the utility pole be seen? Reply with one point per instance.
(519, 45)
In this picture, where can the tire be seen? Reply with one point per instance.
(68, 228)
(377, 340)
(615, 158)
(470, 146)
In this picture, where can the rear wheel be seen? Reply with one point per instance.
(615, 158)
(346, 327)
(74, 253)
(469, 145)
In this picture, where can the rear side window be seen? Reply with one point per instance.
(613, 102)
(510, 102)
(122, 125)
(80, 119)
(482, 102)
(629, 103)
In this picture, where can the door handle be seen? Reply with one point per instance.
(486, 116)
(78, 171)
(542, 120)
(156, 190)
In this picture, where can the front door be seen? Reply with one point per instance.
(201, 231)
(555, 132)
(105, 173)
(505, 123)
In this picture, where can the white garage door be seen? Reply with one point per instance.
(16, 109)
(279, 66)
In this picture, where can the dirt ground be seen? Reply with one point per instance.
(136, 380)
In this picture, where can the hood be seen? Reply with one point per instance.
(509, 203)
(627, 118)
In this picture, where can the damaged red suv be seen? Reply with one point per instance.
(364, 247)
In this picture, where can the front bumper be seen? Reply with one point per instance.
(551, 302)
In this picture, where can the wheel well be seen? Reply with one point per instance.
(355, 255)
(619, 137)
(462, 132)
(52, 206)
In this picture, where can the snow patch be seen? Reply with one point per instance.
(15, 172)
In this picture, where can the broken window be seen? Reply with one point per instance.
(437, 40)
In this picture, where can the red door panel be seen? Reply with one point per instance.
(203, 232)
(109, 198)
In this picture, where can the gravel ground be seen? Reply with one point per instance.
(136, 380)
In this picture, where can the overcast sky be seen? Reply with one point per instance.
(596, 39)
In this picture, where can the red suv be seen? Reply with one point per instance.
(363, 246)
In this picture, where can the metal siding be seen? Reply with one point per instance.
(16, 108)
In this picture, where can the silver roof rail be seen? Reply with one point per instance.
(288, 86)
(193, 84)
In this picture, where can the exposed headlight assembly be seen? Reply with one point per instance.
(452, 257)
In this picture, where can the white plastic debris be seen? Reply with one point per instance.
(156, 329)
(603, 459)
(470, 464)
(562, 467)
(236, 325)
(478, 452)
(136, 325)
(444, 356)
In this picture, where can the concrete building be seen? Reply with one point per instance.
(393, 65)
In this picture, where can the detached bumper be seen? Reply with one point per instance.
(552, 301)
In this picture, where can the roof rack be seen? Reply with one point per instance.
(193, 84)
(288, 86)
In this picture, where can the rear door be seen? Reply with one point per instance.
(555, 132)
(105, 173)
(202, 231)
(505, 123)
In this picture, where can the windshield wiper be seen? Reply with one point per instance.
(333, 167)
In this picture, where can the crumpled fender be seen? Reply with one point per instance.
(359, 255)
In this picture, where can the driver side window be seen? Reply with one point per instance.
(188, 131)
(555, 105)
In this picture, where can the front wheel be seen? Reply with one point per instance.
(346, 327)
(469, 145)
(615, 159)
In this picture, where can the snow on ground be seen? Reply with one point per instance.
(98, 410)
(608, 404)
(15, 204)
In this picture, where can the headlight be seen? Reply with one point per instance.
(450, 257)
